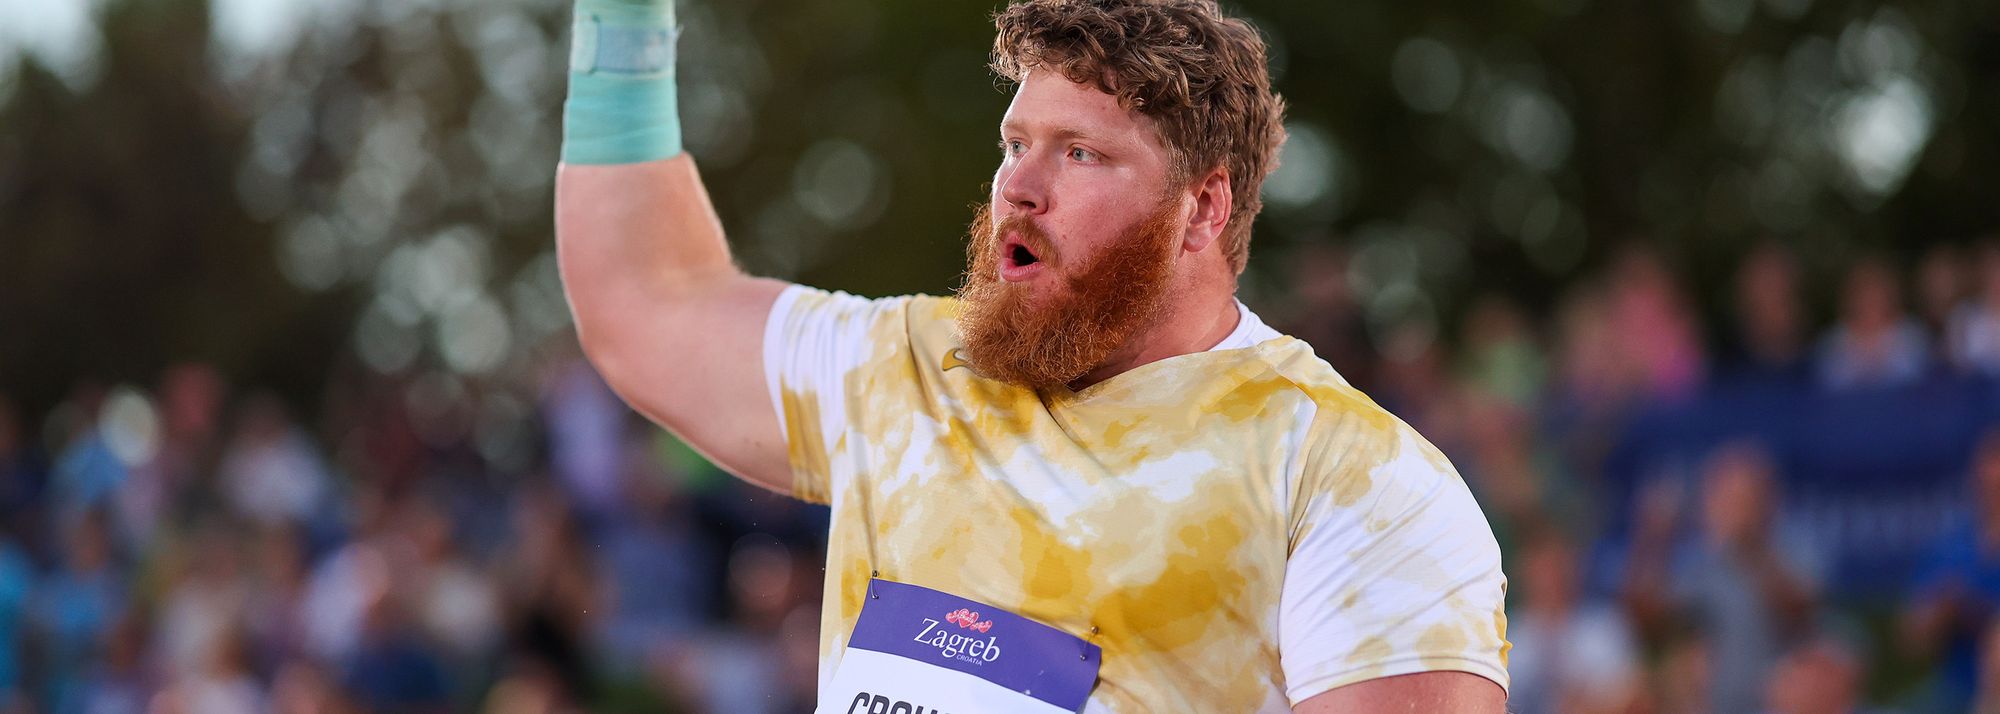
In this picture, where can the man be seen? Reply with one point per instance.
(1094, 481)
(1749, 575)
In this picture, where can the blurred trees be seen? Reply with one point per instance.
(121, 242)
(375, 188)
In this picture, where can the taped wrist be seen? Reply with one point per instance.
(622, 107)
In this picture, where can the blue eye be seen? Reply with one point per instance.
(1013, 148)
(1079, 153)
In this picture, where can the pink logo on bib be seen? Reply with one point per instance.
(968, 619)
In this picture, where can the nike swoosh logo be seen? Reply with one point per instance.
(951, 359)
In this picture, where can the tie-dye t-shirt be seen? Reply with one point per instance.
(1238, 529)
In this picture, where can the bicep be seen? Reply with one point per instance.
(664, 314)
(695, 365)
(1422, 692)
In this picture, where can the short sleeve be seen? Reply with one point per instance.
(1393, 568)
(814, 342)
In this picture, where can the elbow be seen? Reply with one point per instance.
(601, 310)
(620, 363)
(608, 353)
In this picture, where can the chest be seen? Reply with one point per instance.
(1148, 543)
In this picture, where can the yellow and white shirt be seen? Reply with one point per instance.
(1238, 529)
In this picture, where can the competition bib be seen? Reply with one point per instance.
(919, 651)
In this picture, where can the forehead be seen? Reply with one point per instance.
(1047, 103)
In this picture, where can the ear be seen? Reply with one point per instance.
(1210, 199)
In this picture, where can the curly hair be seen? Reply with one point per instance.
(1200, 76)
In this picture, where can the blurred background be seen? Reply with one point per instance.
(1702, 296)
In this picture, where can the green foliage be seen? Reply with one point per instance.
(377, 193)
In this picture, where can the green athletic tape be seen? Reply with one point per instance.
(622, 106)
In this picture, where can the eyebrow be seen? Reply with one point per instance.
(1061, 133)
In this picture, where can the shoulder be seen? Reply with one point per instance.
(833, 327)
(1346, 444)
(1352, 449)
(1313, 382)
(804, 304)
(932, 319)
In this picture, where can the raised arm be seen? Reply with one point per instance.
(662, 311)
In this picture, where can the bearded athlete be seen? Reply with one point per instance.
(1094, 480)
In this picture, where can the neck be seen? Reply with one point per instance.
(1188, 328)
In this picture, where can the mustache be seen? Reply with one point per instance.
(1022, 228)
(1039, 339)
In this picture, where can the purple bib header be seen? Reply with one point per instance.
(986, 642)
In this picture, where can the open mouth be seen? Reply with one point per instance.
(1018, 262)
(1020, 256)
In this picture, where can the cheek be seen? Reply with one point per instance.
(1082, 246)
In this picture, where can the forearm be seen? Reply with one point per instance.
(634, 227)
(661, 310)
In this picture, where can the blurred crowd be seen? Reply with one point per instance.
(420, 544)
(1762, 512)
(1772, 511)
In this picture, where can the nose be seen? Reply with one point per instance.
(1024, 185)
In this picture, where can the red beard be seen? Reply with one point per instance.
(1056, 337)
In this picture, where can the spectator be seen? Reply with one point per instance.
(1822, 676)
(271, 470)
(1770, 319)
(649, 607)
(18, 486)
(798, 645)
(74, 607)
(457, 605)
(303, 687)
(1519, 484)
(218, 682)
(1593, 377)
(529, 688)
(1875, 345)
(344, 584)
(1683, 682)
(736, 661)
(1416, 386)
(1957, 589)
(1986, 700)
(21, 474)
(1570, 654)
(391, 580)
(205, 602)
(120, 682)
(1943, 282)
(393, 669)
(1748, 577)
(1595, 390)
(190, 405)
(86, 471)
(17, 582)
(1653, 327)
(1323, 312)
(549, 587)
(1502, 357)
(586, 423)
(1975, 325)
(275, 619)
